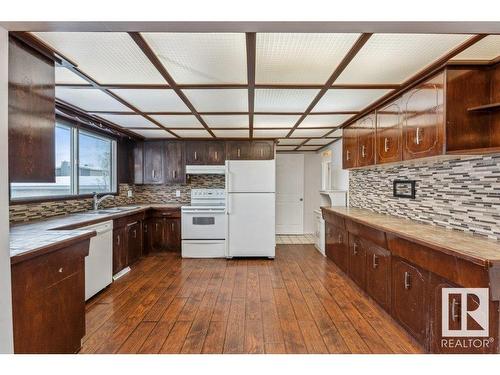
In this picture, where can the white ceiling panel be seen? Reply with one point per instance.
(290, 141)
(226, 121)
(316, 121)
(156, 100)
(64, 75)
(106, 57)
(309, 132)
(217, 100)
(181, 121)
(393, 58)
(486, 49)
(285, 148)
(348, 99)
(260, 133)
(153, 133)
(201, 57)
(90, 99)
(129, 121)
(299, 58)
(198, 133)
(321, 141)
(283, 100)
(232, 133)
(274, 121)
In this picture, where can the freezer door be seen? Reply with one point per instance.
(251, 225)
(246, 176)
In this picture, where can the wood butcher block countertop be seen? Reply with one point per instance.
(479, 250)
(35, 238)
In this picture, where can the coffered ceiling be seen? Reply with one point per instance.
(300, 88)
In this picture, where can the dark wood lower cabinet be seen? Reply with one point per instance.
(337, 247)
(134, 241)
(162, 231)
(127, 241)
(357, 260)
(378, 274)
(173, 234)
(48, 301)
(120, 254)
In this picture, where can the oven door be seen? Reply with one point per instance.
(203, 224)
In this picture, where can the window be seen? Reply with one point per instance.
(95, 171)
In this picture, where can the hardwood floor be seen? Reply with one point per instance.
(298, 303)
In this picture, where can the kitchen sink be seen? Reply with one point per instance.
(112, 210)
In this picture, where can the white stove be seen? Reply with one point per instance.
(204, 224)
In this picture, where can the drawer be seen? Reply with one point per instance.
(123, 221)
(41, 272)
(174, 213)
(374, 235)
(334, 219)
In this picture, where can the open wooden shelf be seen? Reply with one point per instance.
(485, 108)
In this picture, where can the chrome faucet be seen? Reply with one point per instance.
(98, 201)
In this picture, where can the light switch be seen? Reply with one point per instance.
(130, 193)
(177, 193)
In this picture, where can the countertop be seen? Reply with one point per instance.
(37, 237)
(479, 250)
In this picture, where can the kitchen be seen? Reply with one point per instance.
(252, 191)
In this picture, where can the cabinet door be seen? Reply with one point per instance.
(409, 302)
(216, 153)
(153, 162)
(139, 163)
(350, 148)
(262, 150)
(378, 274)
(157, 237)
(389, 133)
(423, 126)
(173, 234)
(366, 140)
(175, 162)
(357, 260)
(31, 119)
(134, 242)
(196, 152)
(238, 150)
(336, 246)
(120, 256)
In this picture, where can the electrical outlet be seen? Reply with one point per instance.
(177, 193)
(130, 193)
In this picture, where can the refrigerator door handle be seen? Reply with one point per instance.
(228, 204)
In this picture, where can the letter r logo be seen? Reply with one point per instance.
(465, 312)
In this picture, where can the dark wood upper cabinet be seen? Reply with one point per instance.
(196, 152)
(350, 147)
(153, 162)
(31, 115)
(175, 162)
(366, 140)
(423, 123)
(409, 297)
(263, 150)
(216, 153)
(138, 163)
(238, 150)
(389, 133)
(125, 161)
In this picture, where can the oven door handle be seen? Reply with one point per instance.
(203, 211)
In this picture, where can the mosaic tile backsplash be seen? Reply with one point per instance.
(141, 194)
(461, 193)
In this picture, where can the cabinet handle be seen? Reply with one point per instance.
(118, 240)
(363, 153)
(216, 155)
(239, 152)
(60, 270)
(195, 155)
(386, 144)
(145, 229)
(172, 226)
(174, 174)
(153, 174)
(340, 238)
(407, 280)
(348, 154)
(454, 304)
(261, 152)
(375, 261)
(417, 138)
(354, 250)
(156, 226)
(135, 233)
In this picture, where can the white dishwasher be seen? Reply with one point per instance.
(99, 262)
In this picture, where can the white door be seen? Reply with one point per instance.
(289, 193)
(245, 176)
(250, 224)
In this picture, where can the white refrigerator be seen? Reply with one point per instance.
(250, 208)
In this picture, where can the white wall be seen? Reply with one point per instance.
(6, 343)
(340, 177)
(312, 186)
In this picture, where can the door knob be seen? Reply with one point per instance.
(301, 199)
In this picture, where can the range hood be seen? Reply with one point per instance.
(205, 169)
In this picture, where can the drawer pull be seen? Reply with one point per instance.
(454, 305)
(60, 270)
(195, 155)
(386, 144)
(216, 155)
(354, 249)
(363, 151)
(118, 240)
(239, 152)
(407, 280)
(172, 226)
(417, 138)
(348, 154)
(375, 261)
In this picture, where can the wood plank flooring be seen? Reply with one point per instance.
(298, 303)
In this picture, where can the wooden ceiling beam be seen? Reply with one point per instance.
(173, 113)
(414, 80)
(360, 42)
(149, 53)
(251, 44)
